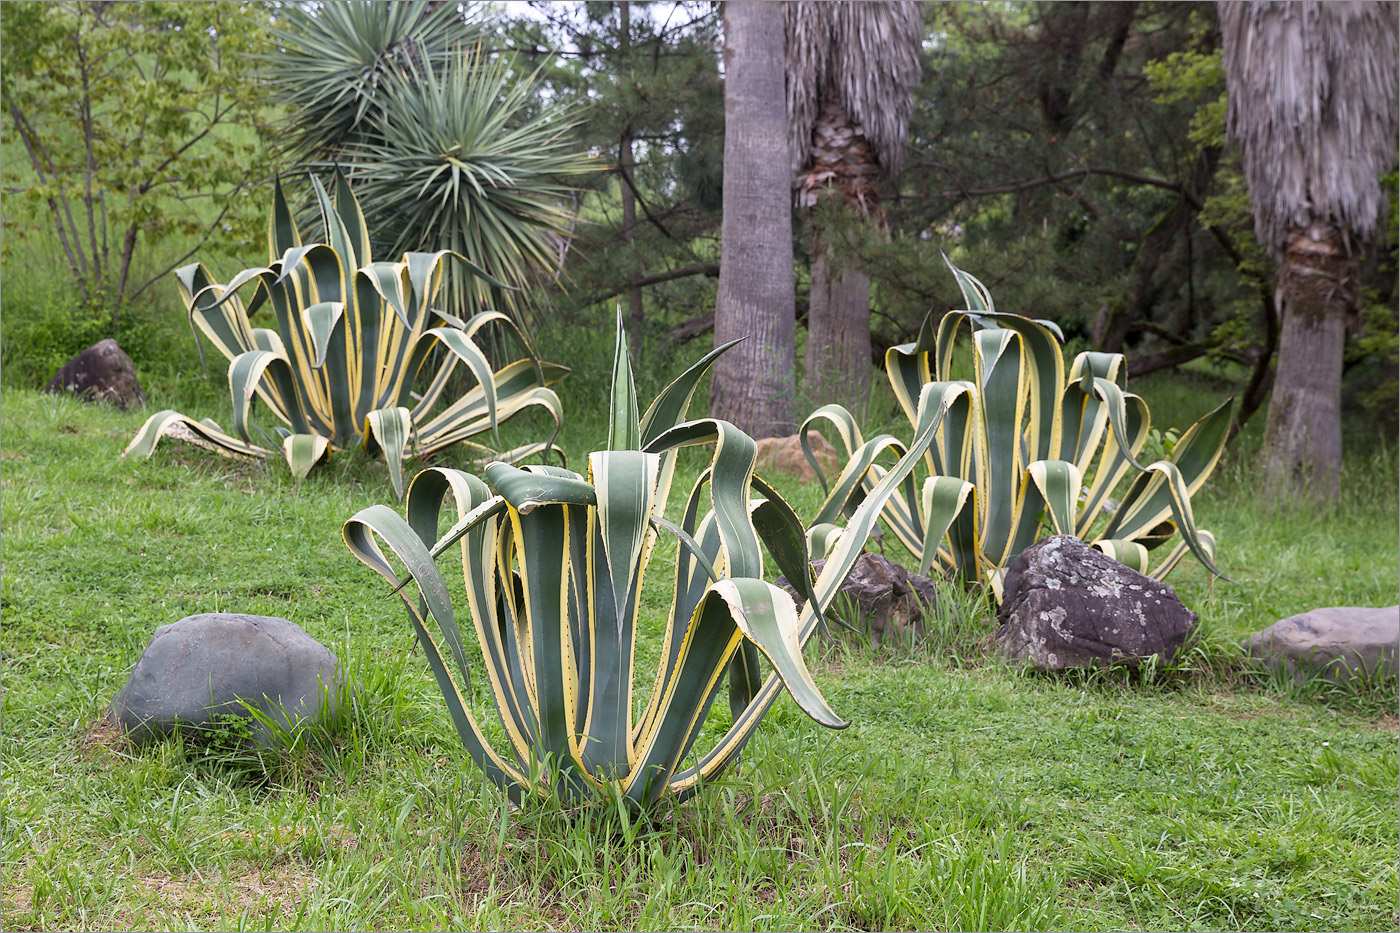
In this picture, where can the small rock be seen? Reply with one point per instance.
(1066, 604)
(784, 455)
(1337, 642)
(101, 373)
(888, 599)
(193, 672)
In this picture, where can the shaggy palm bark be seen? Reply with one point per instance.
(852, 68)
(1303, 438)
(1312, 102)
(837, 359)
(626, 164)
(753, 385)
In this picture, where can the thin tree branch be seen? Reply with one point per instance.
(700, 268)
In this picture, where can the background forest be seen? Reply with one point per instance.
(1073, 156)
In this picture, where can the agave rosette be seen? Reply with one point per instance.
(554, 563)
(354, 340)
(1024, 448)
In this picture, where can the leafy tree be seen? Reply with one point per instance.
(1313, 102)
(649, 228)
(1043, 152)
(139, 123)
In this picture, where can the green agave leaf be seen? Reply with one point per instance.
(171, 422)
(1129, 553)
(1058, 483)
(670, 406)
(944, 500)
(359, 534)
(303, 451)
(625, 484)
(976, 295)
(768, 617)
(847, 432)
(624, 426)
(1205, 540)
(244, 376)
(710, 639)
(389, 429)
(282, 233)
(388, 281)
(321, 320)
(466, 351)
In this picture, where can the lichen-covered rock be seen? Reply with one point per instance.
(784, 455)
(194, 672)
(101, 373)
(887, 600)
(1338, 643)
(1066, 604)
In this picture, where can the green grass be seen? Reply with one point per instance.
(966, 795)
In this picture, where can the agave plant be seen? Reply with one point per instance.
(352, 339)
(554, 563)
(1025, 448)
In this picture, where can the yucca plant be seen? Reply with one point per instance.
(445, 142)
(350, 352)
(1025, 449)
(554, 563)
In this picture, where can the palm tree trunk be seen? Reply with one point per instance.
(843, 170)
(1317, 296)
(837, 360)
(753, 383)
(626, 163)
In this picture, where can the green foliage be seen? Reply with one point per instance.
(653, 87)
(445, 145)
(137, 124)
(1028, 445)
(335, 62)
(352, 342)
(554, 563)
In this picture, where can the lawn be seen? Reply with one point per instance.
(966, 794)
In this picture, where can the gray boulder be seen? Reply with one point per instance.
(101, 373)
(1066, 604)
(884, 598)
(194, 672)
(1337, 643)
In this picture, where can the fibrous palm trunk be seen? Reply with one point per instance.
(753, 383)
(1317, 296)
(837, 360)
(626, 163)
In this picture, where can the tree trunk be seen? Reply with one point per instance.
(837, 360)
(636, 317)
(753, 383)
(1317, 295)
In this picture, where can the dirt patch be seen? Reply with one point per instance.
(476, 871)
(16, 900)
(1388, 724)
(99, 738)
(252, 891)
